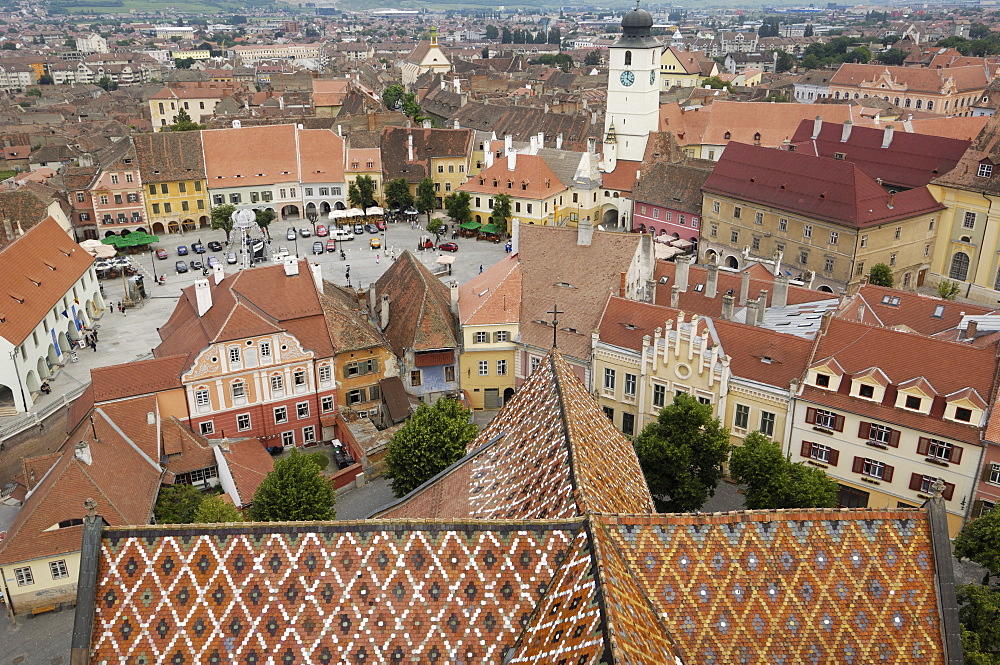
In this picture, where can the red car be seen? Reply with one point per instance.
(380, 224)
(448, 247)
(321, 230)
(161, 254)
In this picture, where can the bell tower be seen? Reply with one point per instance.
(633, 109)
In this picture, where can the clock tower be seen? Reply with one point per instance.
(633, 94)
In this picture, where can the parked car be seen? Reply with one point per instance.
(231, 258)
(214, 245)
(197, 265)
(331, 245)
(213, 261)
(380, 224)
(371, 228)
(182, 250)
(321, 230)
(343, 234)
(161, 254)
(374, 243)
(305, 232)
(448, 247)
(180, 267)
(198, 248)
(290, 235)
(359, 228)
(318, 247)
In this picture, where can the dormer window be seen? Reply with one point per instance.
(963, 414)
(912, 402)
(728, 135)
(866, 391)
(823, 380)
(985, 171)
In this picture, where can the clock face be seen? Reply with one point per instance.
(627, 78)
(652, 78)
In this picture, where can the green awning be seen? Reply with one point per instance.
(490, 228)
(470, 225)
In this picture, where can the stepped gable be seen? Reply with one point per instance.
(550, 452)
(790, 586)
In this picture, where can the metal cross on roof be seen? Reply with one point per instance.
(555, 312)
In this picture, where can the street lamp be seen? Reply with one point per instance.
(152, 256)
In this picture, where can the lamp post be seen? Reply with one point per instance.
(152, 256)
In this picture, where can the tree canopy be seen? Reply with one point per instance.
(979, 541)
(397, 193)
(361, 192)
(880, 275)
(294, 491)
(426, 198)
(682, 454)
(214, 509)
(222, 218)
(434, 438)
(183, 123)
(457, 205)
(177, 504)
(773, 481)
(501, 209)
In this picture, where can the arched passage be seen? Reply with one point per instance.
(711, 256)
(324, 208)
(42, 368)
(339, 205)
(508, 394)
(609, 219)
(31, 381)
(825, 289)
(174, 227)
(289, 212)
(64, 344)
(51, 357)
(203, 222)
(158, 229)
(733, 262)
(7, 401)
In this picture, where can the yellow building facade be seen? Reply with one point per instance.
(43, 582)
(358, 374)
(177, 205)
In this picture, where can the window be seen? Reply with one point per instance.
(985, 171)
(24, 576)
(58, 569)
(114, 179)
(828, 264)
(277, 384)
(628, 423)
(939, 450)
(892, 259)
(501, 336)
(299, 379)
(782, 224)
(325, 374)
(959, 266)
(825, 419)
(501, 368)
(235, 198)
(280, 415)
(309, 434)
(659, 395)
(207, 427)
(850, 497)
(963, 414)
(201, 399)
(302, 410)
(535, 362)
(656, 213)
(628, 57)
(713, 230)
(243, 422)
(759, 218)
(449, 373)
(912, 402)
(104, 199)
(609, 379)
(630, 385)
(899, 231)
(737, 212)
(218, 199)
(80, 197)
(818, 452)
(767, 423)
(415, 378)
(992, 474)
(834, 236)
(734, 236)
(755, 244)
(361, 367)
(234, 355)
(134, 198)
(872, 468)
(807, 231)
(866, 391)
(925, 485)
(288, 438)
(609, 412)
(326, 404)
(482, 337)
(182, 186)
(484, 368)
(118, 198)
(164, 188)
(742, 418)
(969, 220)
(715, 206)
(239, 390)
(356, 396)
(156, 208)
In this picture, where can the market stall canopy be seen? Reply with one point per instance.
(98, 249)
(375, 210)
(355, 212)
(338, 214)
(131, 240)
(470, 225)
(446, 260)
(490, 228)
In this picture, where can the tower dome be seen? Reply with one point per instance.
(637, 23)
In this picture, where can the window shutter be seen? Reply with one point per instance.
(811, 415)
(987, 469)
(923, 445)
(834, 457)
(859, 465)
(865, 431)
(894, 438)
(956, 454)
(838, 423)
(915, 481)
(887, 473)
(949, 491)
(806, 449)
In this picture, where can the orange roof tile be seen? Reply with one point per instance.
(493, 296)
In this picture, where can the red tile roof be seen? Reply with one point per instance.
(914, 80)
(420, 315)
(250, 156)
(142, 377)
(249, 463)
(493, 296)
(830, 189)
(920, 313)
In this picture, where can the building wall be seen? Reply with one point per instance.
(943, 103)
(194, 196)
(448, 173)
(665, 221)
(129, 201)
(492, 352)
(350, 381)
(164, 111)
(766, 410)
(980, 242)
(45, 590)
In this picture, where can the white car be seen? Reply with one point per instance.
(342, 234)
(304, 232)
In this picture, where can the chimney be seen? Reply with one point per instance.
(507, 141)
(584, 232)
(744, 287)
(317, 273)
(761, 307)
(712, 282)
(515, 235)
(203, 296)
(559, 140)
(887, 136)
(427, 123)
(846, 134)
(780, 298)
(82, 453)
(683, 271)
(218, 274)
(727, 307)
(511, 160)
(675, 294)
(409, 147)
(541, 140)
(817, 127)
(444, 84)
(751, 315)
(383, 318)
(593, 117)
(455, 124)
(591, 146)
(458, 86)
(453, 291)
(861, 313)
(291, 266)
(532, 145)
(488, 154)
(971, 329)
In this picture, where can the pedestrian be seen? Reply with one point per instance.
(376, 258)
(93, 345)
(95, 335)
(119, 305)
(480, 268)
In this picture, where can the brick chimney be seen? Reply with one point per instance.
(727, 307)
(682, 273)
(744, 287)
(780, 298)
(712, 281)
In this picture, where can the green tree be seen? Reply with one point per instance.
(434, 226)
(501, 210)
(183, 63)
(361, 192)
(979, 613)
(214, 509)
(411, 109)
(773, 481)
(264, 217)
(979, 541)
(457, 206)
(177, 504)
(717, 83)
(485, 53)
(222, 218)
(555, 36)
(893, 57)
(682, 454)
(860, 54)
(505, 36)
(979, 31)
(426, 198)
(880, 275)
(593, 58)
(808, 31)
(33, 92)
(810, 61)
(393, 95)
(294, 491)
(434, 438)
(492, 32)
(948, 289)
(106, 83)
(785, 61)
(183, 123)
(45, 79)
(397, 194)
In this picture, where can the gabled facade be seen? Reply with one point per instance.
(172, 170)
(426, 57)
(197, 99)
(950, 91)
(535, 191)
(116, 192)
(685, 69)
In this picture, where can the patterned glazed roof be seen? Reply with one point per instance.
(549, 453)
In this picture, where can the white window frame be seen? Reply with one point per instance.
(203, 399)
(484, 368)
(235, 357)
(265, 349)
(240, 422)
(24, 576)
(825, 419)
(301, 410)
(994, 477)
(325, 374)
(239, 391)
(501, 368)
(873, 468)
(969, 220)
(300, 382)
(288, 438)
(742, 412)
(880, 434)
(939, 450)
(819, 452)
(630, 385)
(277, 384)
(609, 380)
(280, 415)
(207, 427)
(482, 337)
(659, 391)
(985, 171)
(326, 403)
(58, 569)
(767, 422)
(503, 336)
(309, 434)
